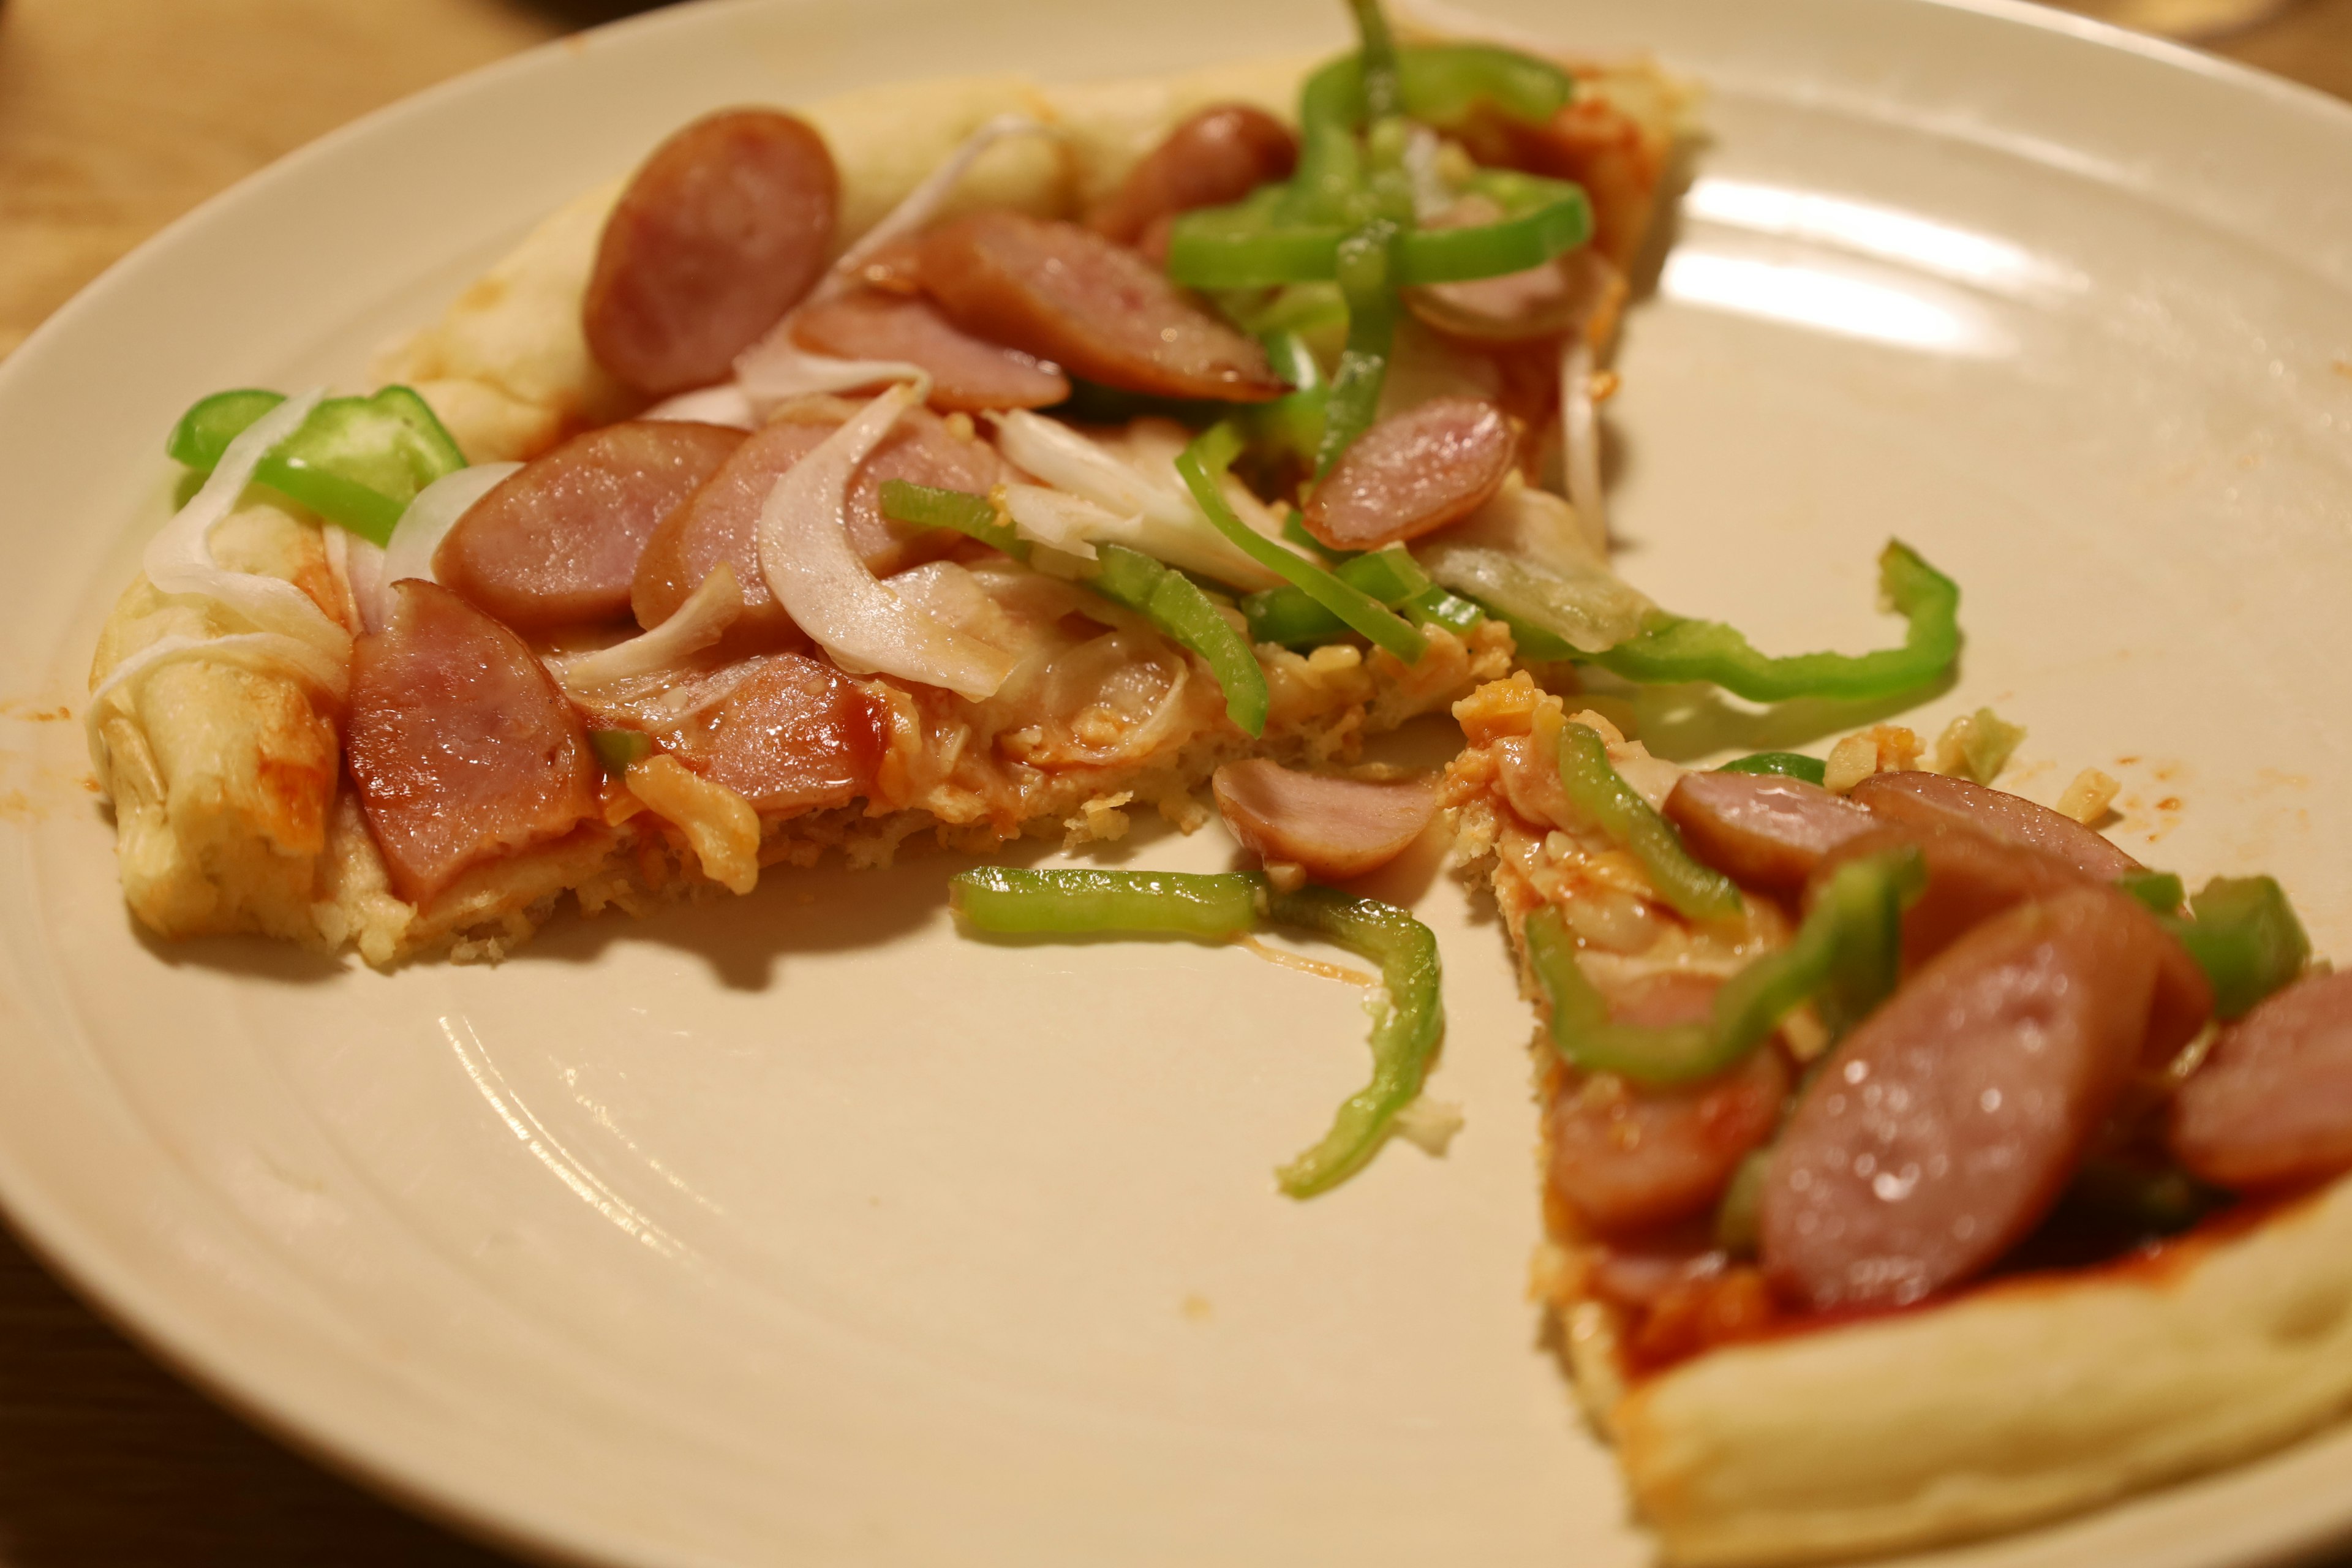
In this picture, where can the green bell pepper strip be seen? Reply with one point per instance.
(1291, 426)
(1788, 764)
(1015, 902)
(1175, 604)
(1739, 1217)
(616, 749)
(925, 506)
(1288, 616)
(1010, 901)
(1675, 649)
(1354, 399)
(356, 461)
(1247, 245)
(2244, 935)
(1597, 791)
(2160, 891)
(1847, 957)
(1404, 1041)
(1201, 464)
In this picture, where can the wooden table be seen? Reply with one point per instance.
(116, 116)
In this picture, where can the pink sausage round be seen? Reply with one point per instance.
(1947, 1125)
(1337, 829)
(461, 744)
(717, 235)
(966, 373)
(720, 521)
(1095, 309)
(1759, 829)
(1630, 1157)
(556, 544)
(2271, 1105)
(1219, 155)
(1413, 473)
(794, 735)
(1932, 800)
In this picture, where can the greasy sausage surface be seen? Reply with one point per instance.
(717, 235)
(1947, 1125)
(1219, 155)
(556, 544)
(1335, 828)
(461, 744)
(720, 521)
(967, 372)
(2271, 1105)
(790, 735)
(1933, 800)
(1095, 309)
(1628, 1156)
(1759, 829)
(1413, 473)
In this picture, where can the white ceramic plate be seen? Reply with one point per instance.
(798, 1229)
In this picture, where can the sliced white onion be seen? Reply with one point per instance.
(694, 625)
(1081, 677)
(1524, 553)
(429, 518)
(1137, 508)
(179, 560)
(776, 371)
(923, 202)
(806, 555)
(1058, 520)
(358, 565)
(1579, 437)
(725, 404)
(268, 653)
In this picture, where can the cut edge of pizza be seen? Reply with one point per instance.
(1753, 1433)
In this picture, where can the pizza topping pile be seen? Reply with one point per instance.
(1986, 1020)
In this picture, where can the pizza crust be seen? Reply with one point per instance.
(2019, 1402)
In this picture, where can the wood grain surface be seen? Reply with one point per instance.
(116, 116)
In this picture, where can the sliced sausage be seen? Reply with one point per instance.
(461, 743)
(1932, 799)
(1971, 879)
(556, 544)
(720, 521)
(1337, 829)
(1631, 1157)
(1097, 310)
(967, 373)
(792, 734)
(1759, 829)
(1219, 155)
(1948, 1123)
(719, 234)
(1413, 473)
(2271, 1105)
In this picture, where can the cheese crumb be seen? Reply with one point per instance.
(719, 824)
(1881, 749)
(2088, 797)
(1287, 876)
(1977, 745)
(1429, 1124)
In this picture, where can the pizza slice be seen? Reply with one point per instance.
(936, 461)
(1917, 1165)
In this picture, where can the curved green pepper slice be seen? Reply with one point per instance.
(356, 461)
(1787, 765)
(1175, 604)
(1596, 789)
(2244, 935)
(1846, 957)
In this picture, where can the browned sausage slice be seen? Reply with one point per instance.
(1097, 310)
(719, 234)
(1219, 155)
(720, 520)
(556, 544)
(1934, 800)
(1761, 830)
(1971, 879)
(1337, 829)
(1413, 473)
(966, 373)
(1630, 1157)
(461, 745)
(1948, 1123)
(790, 735)
(2272, 1104)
